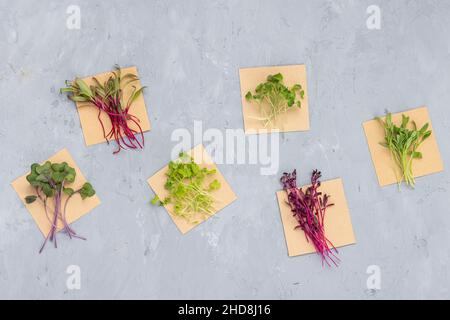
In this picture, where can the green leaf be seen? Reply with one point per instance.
(215, 185)
(417, 155)
(48, 191)
(277, 78)
(68, 89)
(42, 178)
(389, 119)
(70, 174)
(78, 99)
(249, 96)
(426, 135)
(33, 168)
(68, 191)
(405, 121)
(32, 177)
(58, 167)
(155, 201)
(44, 168)
(84, 88)
(424, 128)
(136, 95)
(87, 191)
(58, 177)
(30, 199)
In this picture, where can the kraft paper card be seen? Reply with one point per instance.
(338, 224)
(224, 196)
(294, 119)
(76, 207)
(385, 167)
(92, 129)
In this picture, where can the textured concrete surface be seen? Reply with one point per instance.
(188, 53)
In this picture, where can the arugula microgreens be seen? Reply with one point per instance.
(108, 98)
(276, 96)
(49, 181)
(188, 191)
(403, 143)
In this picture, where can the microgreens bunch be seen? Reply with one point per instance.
(50, 181)
(108, 98)
(188, 191)
(403, 143)
(279, 98)
(309, 207)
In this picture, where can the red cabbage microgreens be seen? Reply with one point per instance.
(308, 207)
(50, 181)
(109, 98)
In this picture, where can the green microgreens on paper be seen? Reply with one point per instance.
(403, 142)
(275, 96)
(50, 181)
(188, 190)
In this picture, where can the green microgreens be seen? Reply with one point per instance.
(403, 143)
(276, 96)
(188, 191)
(49, 181)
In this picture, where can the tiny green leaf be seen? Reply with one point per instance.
(417, 155)
(155, 201)
(87, 191)
(30, 199)
(68, 191)
(84, 88)
(215, 185)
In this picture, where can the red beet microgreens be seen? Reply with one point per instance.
(108, 98)
(308, 207)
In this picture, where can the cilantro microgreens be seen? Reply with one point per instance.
(189, 192)
(403, 143)
(276, 96)
(49, 181)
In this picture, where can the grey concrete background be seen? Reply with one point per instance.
(188, 53)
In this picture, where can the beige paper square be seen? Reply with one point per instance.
(92, 129)
(76, 207)
(294, 119)
(338, 224)
(224, 195)
(385, 167)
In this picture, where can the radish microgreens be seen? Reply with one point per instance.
(50, 181)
